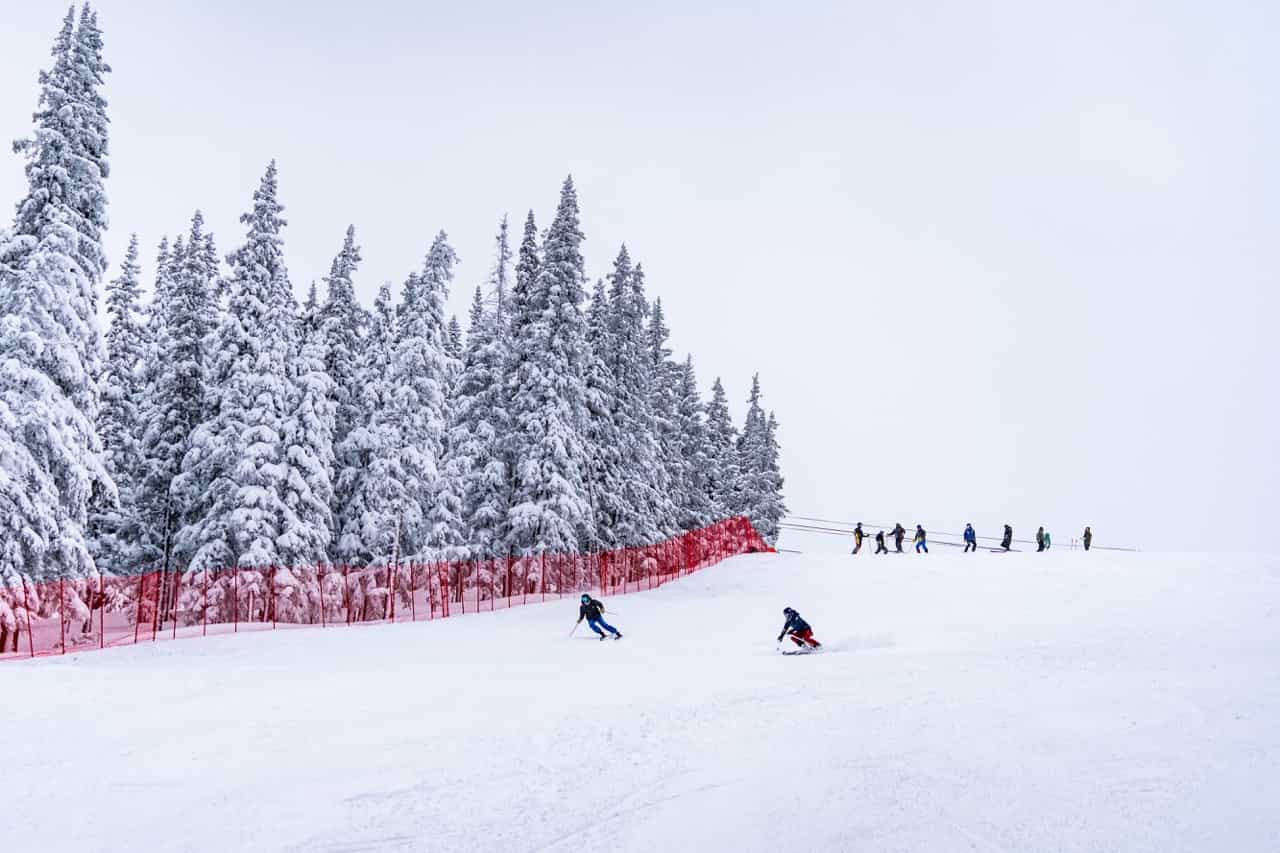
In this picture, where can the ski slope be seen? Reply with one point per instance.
(1061, 701)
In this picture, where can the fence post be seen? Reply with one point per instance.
(391, 583)
(155, 620)
(320, 583)
(62, 612)
(137, 610)
(102, 611)
(235, 594)
(174, 601)
(413, 595)
(204, 608)
(26, 605)
(271, 589)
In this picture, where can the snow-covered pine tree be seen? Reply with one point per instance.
(663, 384)
(308, 453)
(50, 266)
(309, 320)
(755, 493)
(527, 265)
(550, 510)
(343, 326)
(644, 500)
(693, 502)
(174, 401)
(453, 340)
(370, 479)
(721, 473)
(119, 423)
(235, 471)
(499, 295)
(605, 465)
(771, 509)
(421, 370)
(481, 422)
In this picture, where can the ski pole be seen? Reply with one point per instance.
(575, 628)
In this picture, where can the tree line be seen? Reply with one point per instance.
(220, 422)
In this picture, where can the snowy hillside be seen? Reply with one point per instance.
(993, 702)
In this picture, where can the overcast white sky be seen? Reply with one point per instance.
(994, 262)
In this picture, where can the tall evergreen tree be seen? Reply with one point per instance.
(234, 474)
(722, 439)
(758, 491)
(479, 424)
(644, 501)
(421, 370)
(663, 384)
(174, 402)
(606, 466)
(693, 500)
(550, 509)
(119, 420)
(371, 480)
(51, 465)
(308, 453)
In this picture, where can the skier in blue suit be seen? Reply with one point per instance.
(970, 539)
(592, 611)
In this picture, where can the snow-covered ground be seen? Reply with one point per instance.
(1062, 701)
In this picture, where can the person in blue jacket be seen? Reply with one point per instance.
(921, 544)
(592, 611)
(970, 539)
(798, 630)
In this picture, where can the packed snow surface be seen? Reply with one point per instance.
(1063, 701)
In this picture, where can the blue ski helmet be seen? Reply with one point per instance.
(585, 598)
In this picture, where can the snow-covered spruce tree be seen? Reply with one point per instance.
(721, 473)
(550, 510)
(527, 265)
(119, 422)
(343, 326)
(420, 373)
(174, 400)
(772, 509)
(693, 502)
(453, 339)
(370, 477)
(51, 465)
(644, 488)
(308, 454)
(663, 384)
(234, 473)
(481, 422)
(605, 465)
(758, 492)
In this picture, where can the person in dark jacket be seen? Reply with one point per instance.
(880, 546)
(970, 539)
(857, 537)
(899, 533)
(1088, 538)
(1007, 542)
(592, 611)
(798, 630)
(921, 544)
(1040, 539)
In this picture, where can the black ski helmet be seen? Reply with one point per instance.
(787, 611)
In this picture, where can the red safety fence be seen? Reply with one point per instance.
(73, 615)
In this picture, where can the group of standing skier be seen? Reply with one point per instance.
(899, 533)
(1043, 539)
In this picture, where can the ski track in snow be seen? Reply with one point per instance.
(1073, 702)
